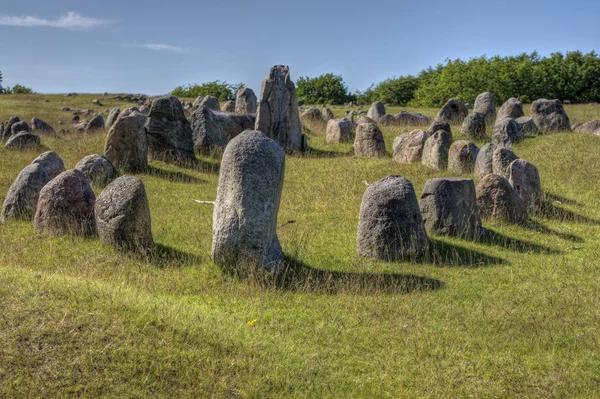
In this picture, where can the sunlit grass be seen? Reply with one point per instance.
(514, 316)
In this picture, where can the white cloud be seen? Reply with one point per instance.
(156, 47)
(73, 20)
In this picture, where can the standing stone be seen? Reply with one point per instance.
(408, 148)
(211, 102)
(19, 127)
(339, 131)
(311, 115)
(245, 101)
(387, 120)
(440, 125)
(501, 160)
(525, 179)
(485, 105)
(462, 156)
(66, 205)
(198, 101)
(22, 198)
(369, 142)
(234, 124)
(248, 196)
(327, 114)
(591, 127)
(208, 135)
(404, 118)
(39, 125)
(453, 112)
(483, 163)
(507, 132)
(498, 200)
(22, 140)
(449, 207)
(96, 123)
(123, 215)
(169, 132)
(112, 117)
(376, 111)
(229, 106)
(8, 126)
(512, 108)
(390, 226)
(127, 145)
(277, 114)
(435, 150)
(473, 126)
(97, 168)
(527, 125)
(550, 116)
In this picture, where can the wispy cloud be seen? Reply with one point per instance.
(73, 20)
(156, 47)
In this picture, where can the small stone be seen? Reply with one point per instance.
(41, 126)
(550, 116)
(507, 132)
(483, 162)
(97, 168)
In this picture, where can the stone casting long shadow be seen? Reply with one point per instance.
(444, 254)
(180, 177)
(492, 237)
(300, 277)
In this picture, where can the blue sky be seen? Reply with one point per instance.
(153, 46)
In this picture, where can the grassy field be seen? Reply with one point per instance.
(514, 316)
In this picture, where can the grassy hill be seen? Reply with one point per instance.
(514, 316)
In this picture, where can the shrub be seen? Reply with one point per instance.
(222, 90)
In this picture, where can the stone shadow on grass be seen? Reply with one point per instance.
(551, 211)
(315, 153)
(537, 226)
(491, 237)
(300, 277)
(180, 177)
(564, 200)
(445, 254)
(165, 256)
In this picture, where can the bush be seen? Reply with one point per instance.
(222, 90)
(325, 89)
(19, 89)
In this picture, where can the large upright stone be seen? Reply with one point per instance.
(127, 145)
(123, 215)
(245, 101)
(483, 162)
(485, 105)
(449, 207)
(211, 102)
(66, 205)
(435, 150)
(38, 125)
(277, 114)
(376, 111)
(498, 200)
(501, 160)
(339, 131)
(112, 117)
(550, 116)
(169, 132)
(525, 179)
(473, 126)
(390, 226)
(462, 156)
(512, 108)
(208, 135)
(234, 124)
(248, 196)
(408, 148)
(453, 112)
(438, 125)
(368, 141)
(22, 198)
(7, 132)
(507, 132)
(97, 168)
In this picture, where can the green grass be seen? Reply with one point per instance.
(517, 316)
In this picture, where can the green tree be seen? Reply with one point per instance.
(325, 89)
(20, 89)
